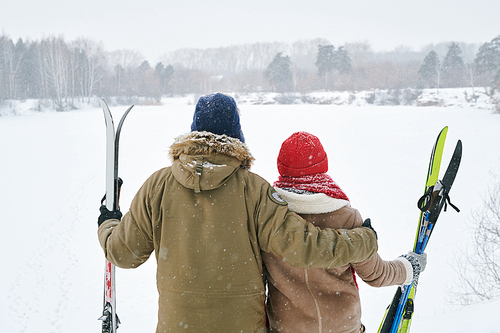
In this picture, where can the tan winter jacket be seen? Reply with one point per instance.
(324, 300)
(207, 218)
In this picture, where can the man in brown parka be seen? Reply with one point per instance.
(207, 218)
(322, 299)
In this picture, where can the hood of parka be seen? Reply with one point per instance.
(204, 161)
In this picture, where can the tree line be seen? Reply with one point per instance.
(63, 72)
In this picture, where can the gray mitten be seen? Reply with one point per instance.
(418, 262)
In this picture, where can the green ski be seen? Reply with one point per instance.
(397, 318)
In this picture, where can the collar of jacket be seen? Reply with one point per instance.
(204, 161)
(311, 203)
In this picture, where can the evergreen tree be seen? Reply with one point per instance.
(343, 61)
(487, 60)
(326, 61)
(164, 75)
(453, 68)
(145, 82)
(144, 67)
(279, 73)
(429, 70)
(330, 61)
(488, 56)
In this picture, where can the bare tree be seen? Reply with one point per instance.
(123, 62)
(360, 52)
(11, 57)
(91, 65)
(479, 269)
(54, 62)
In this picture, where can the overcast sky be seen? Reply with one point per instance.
(155, 27)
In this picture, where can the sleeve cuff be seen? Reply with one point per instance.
(408, 268)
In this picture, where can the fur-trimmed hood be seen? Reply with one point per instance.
(207, 143)
(205, 161)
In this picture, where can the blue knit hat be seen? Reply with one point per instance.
(217, 113)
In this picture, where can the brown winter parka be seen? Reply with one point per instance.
(324, 299)
(207, 218)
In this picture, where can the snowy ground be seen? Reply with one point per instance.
(52, 176)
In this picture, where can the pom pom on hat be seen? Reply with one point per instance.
(218, 114)
(302, 154)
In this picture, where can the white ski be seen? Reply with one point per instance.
(110, 320)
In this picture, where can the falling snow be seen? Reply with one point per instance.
(52, 176)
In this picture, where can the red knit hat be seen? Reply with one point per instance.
(302, 154)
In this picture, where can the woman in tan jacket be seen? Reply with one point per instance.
(207, 218)
(318, 299)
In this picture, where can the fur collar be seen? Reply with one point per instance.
(311, 203)
(207, 143)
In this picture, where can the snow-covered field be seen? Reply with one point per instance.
(52, 180)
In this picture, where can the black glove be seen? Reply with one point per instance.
(120, 183)
(368, 224)
(108, 215)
